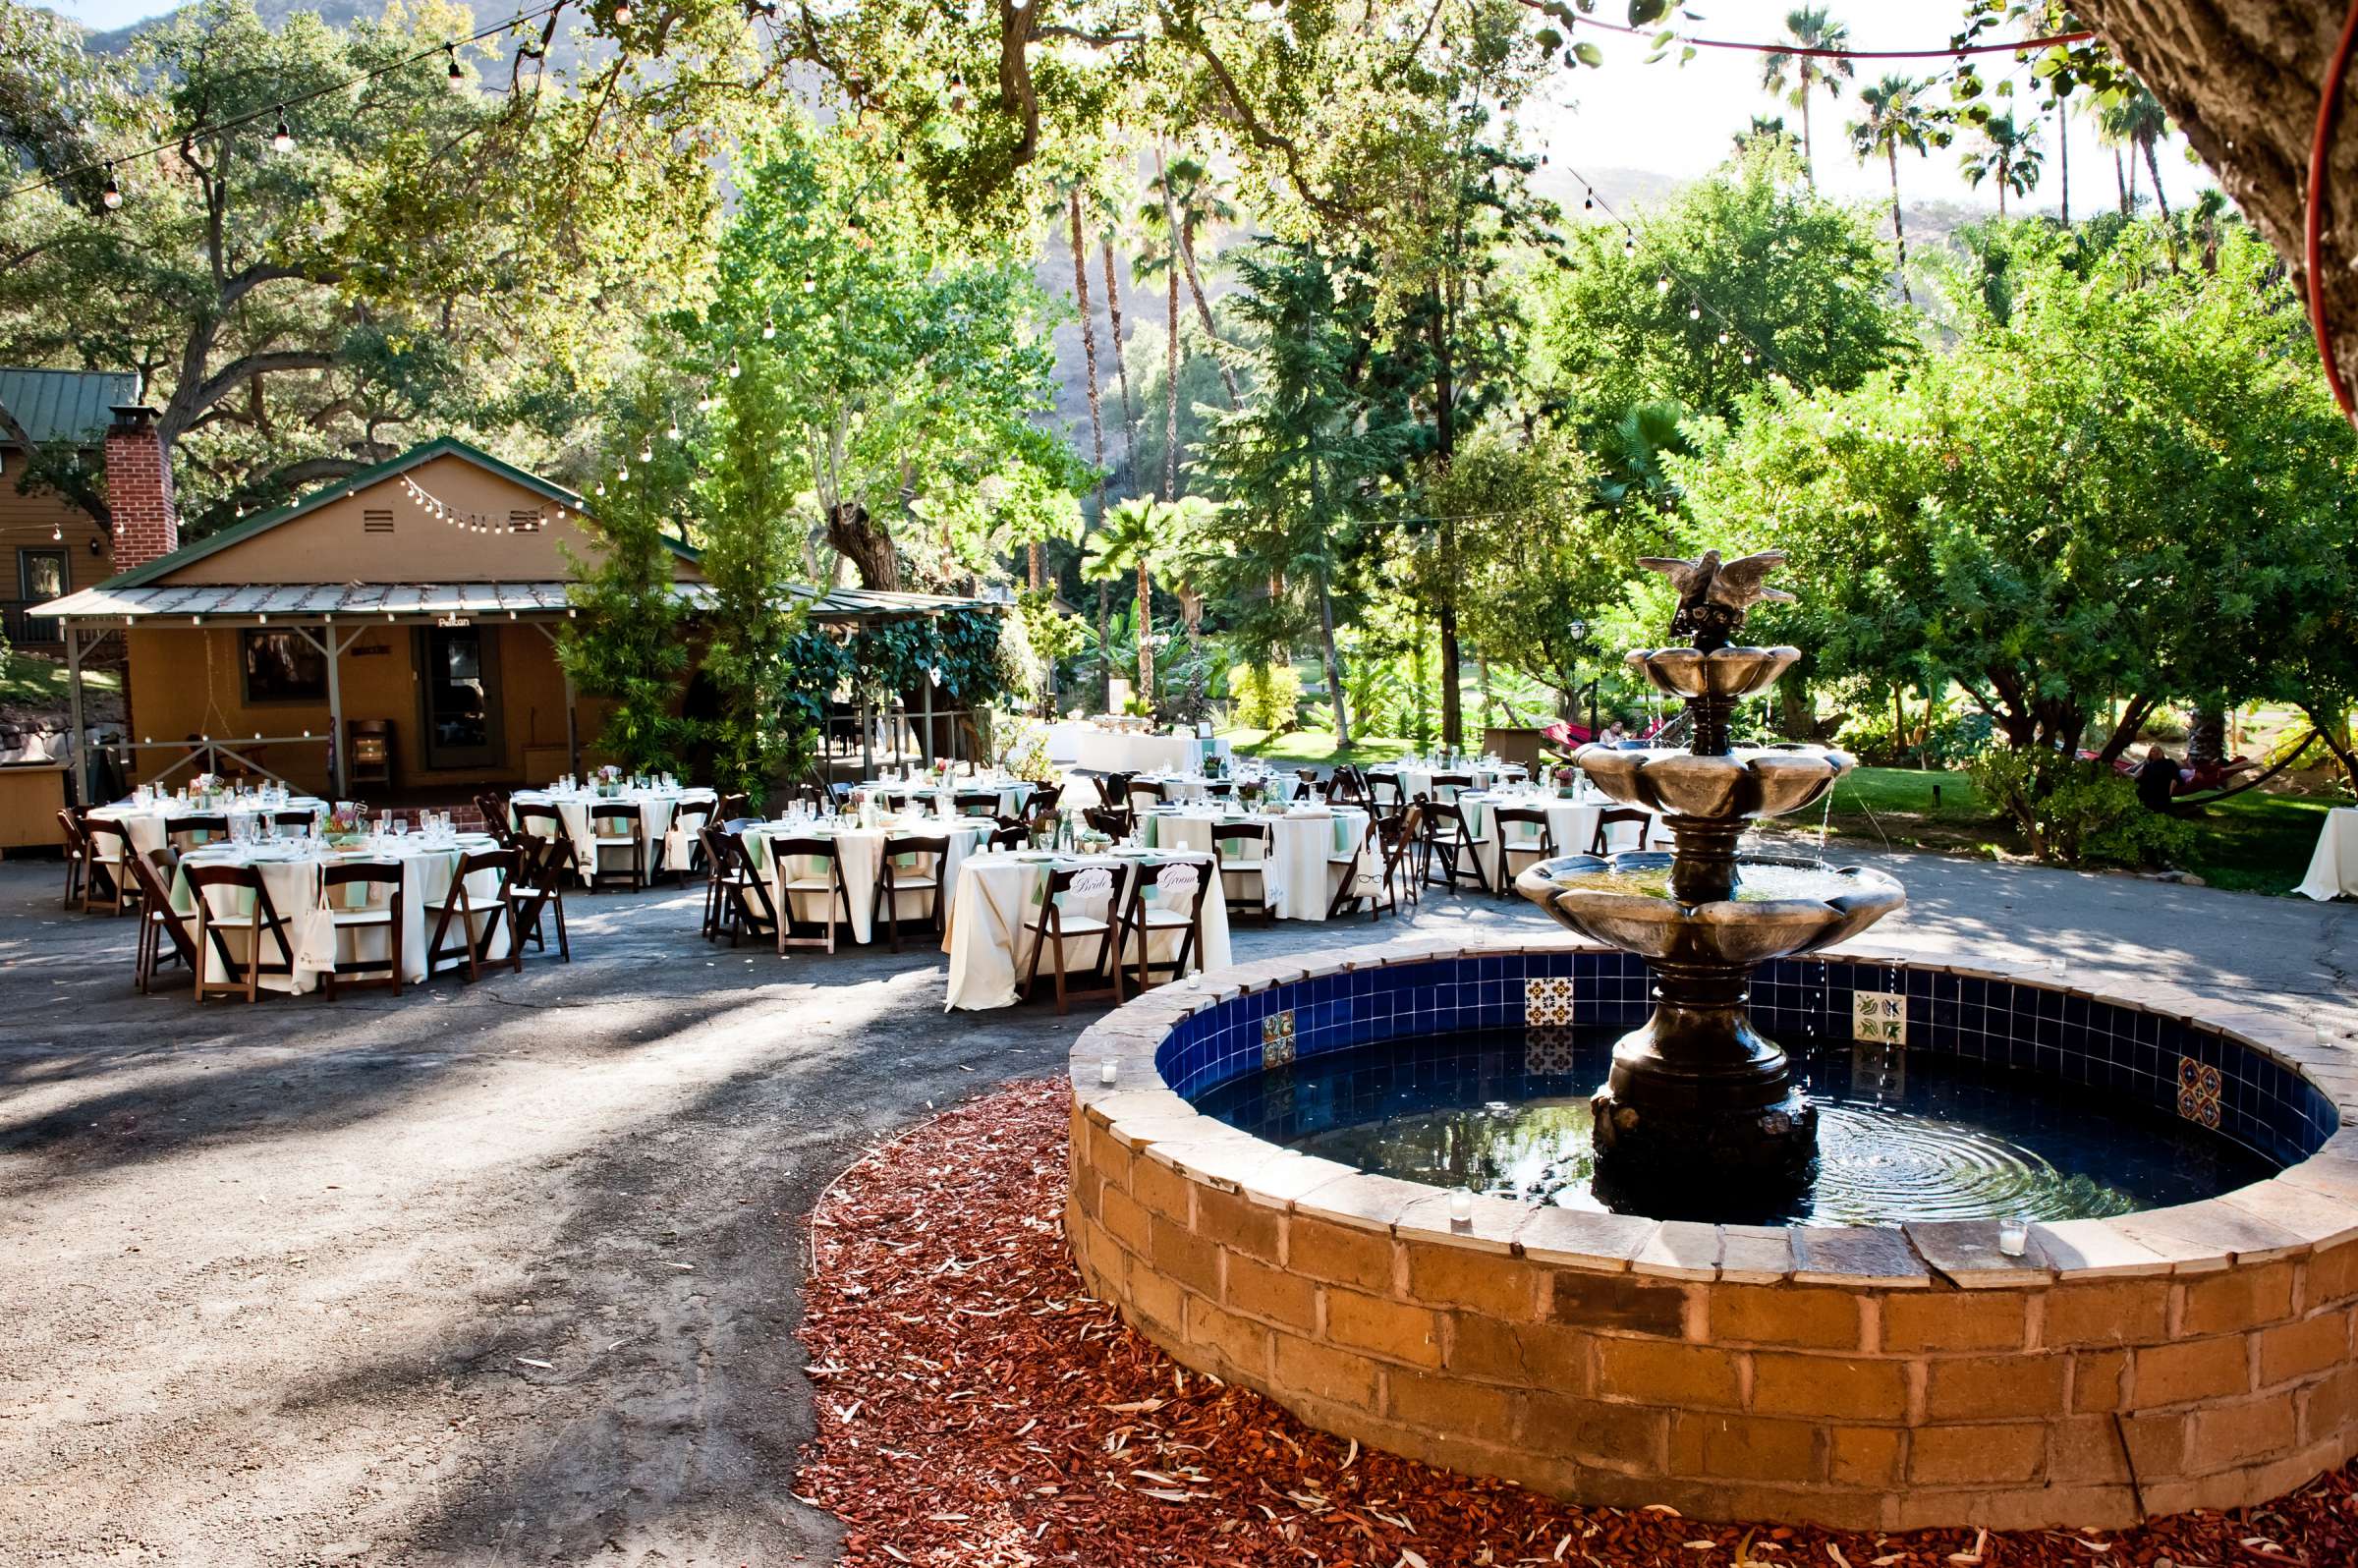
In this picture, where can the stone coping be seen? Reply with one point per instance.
(1867, 1376)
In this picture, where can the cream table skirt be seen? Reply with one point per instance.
(1299, 871)
(989, 944)
(2333, 868)
(862, 852)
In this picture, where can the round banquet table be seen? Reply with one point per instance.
(989, 942)
(862, 852)
(1573, 822)
(1189, 787)
(1415, 779)
(657, 808)
(291, 875)
(2333, 867)
(1302, 841)
(150, 826)
(1015, 795)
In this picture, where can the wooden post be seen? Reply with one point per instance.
(924, 747)
(335, 711)
(868, 740)
(82, 748)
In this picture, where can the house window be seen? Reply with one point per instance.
(40, 574)
(282, 667)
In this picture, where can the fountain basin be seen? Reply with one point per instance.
(1728, 674)
(1750, 782)
(1894, 1374)
(1782, 907)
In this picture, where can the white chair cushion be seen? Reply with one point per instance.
(1078, 925)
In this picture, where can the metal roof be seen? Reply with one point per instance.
(253, 603)
(65, 405)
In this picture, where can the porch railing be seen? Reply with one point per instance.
(204, 754)
(22, 630)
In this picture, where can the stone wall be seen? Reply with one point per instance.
(1859, 1376)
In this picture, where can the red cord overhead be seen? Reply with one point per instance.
(2313, 220)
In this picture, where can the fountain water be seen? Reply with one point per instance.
(1696, 1096)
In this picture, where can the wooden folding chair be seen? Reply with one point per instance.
(975, 802)
(739, 891)
(1398, 840)
(160, 924)
(77, 852)
(892, 880)
(1018, 836)
(184, 833)
(830, 882)
(1538, 846)
(1050, 925)
(1181, 886)
(688, 821)
(466, 907)
(542, 828)
(1245, 877)
(335, 884)
(1601, 843)
(617, 827)
(1118, 823)
(1450, 846)
(537, 890)
(1044, 799)
(260, 920)
(110, 850)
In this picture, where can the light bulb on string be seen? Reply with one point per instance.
(1723, 340)
(1588, 203)
(454, 76)
(1694, 313)
(674, 432)
(646, 452)
(810, 283)
(735, 370)
(1629, 247)
(1662, 285)
(282, 139)
(622, 14)
(112, 197)
(769, 328)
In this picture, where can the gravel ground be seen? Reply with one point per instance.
(508, 1273)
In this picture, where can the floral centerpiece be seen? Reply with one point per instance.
(346, 823)
(205, 787)
(1092, 841)
(609, 779)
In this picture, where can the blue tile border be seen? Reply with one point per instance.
(2261, 1103)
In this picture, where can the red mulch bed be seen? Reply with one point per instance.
(976, 1409)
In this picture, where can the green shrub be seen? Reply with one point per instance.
(2078, 813)
(1266, 697)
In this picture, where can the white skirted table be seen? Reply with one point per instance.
(1124, 752)
(658, 808)
(291, 875)
(1415, 779)
(1571, 822)
(149, 826)
(1014, 795)
(989, 942)
(863, 857)
(2333, 868)
(1307, 846)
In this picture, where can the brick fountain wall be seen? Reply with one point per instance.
(1858, 1376)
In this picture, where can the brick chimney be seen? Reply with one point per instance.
(138, 489)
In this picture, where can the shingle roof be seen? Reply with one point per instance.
(65, 405)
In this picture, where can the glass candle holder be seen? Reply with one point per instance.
(1108, 1070)
(2013, 1235)
(1461, 1207)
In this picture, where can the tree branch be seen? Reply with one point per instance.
(226, 380)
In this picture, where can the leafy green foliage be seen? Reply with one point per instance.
(627, 644)
(1266, 697)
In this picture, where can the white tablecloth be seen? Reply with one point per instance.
(2333, 868)
(657, 808)
(1015, 795)
(1302, 842)
(1572, 821)
(1112, 751)
(862, 852)
(294, 884)
(990, 946)
(1415, 779)
(149, 826)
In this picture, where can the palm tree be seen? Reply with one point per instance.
(1189, 202)
(2010, 155)
(1158, 258)
(1137, 538)
(1895, 118)
(1089, 351)
(1796, 76)
(1764, 127)
(2136, 119)
(1113, 228)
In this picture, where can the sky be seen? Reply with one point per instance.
(1677, 119)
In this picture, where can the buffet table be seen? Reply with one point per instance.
(2333, 867)
(1121, 751)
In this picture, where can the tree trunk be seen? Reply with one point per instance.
(1899, 233)
(2153, 166)
(2120, 181)
(1146, 638)
(1032, 550)
(1170, 395)
(1104, 647)
(868, 547)
(1800, 713)
(1088, 335)
(1334, 668)
(2241, 79)
(2206, 736)
(1809, 154)
(1121, 367)
(2063, 156)
(1444, 415)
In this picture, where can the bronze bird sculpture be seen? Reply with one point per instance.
(1714, 595)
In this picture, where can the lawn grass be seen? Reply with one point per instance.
(2256, 842)
(31, 680)
(1315, 748)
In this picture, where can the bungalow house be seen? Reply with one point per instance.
(391, 635)
(48, 545)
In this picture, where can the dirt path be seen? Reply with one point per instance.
(508, 1274)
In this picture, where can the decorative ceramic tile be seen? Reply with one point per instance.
(1548, 1050)
(1277, 1039)
(1878, 1016)
(2199, 1088)
(1548, 1000)
(1877, 1072)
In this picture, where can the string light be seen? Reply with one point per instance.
(735, 370)
(454, 76)
(622, 13)
(112, 195)
(810, 283)
(472, 523)
(646, 452)
(282, 139)
(769, 328)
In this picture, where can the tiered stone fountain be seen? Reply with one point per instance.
(1696, 1097)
